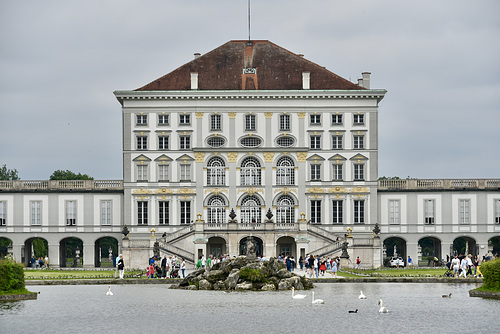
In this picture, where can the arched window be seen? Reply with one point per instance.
(285, 210)
(216, 210)
(250, 172)
(285, 171)
(250, 210)
(216, 172)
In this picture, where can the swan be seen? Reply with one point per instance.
(361, 295)
(317, 301)
(355, 311)
(294, 296)
(446, 296)
(382, 309)
(109, 293)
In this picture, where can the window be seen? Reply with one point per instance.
(336, 119)
(163, 212)
(359, 212)
(142, 173)
(394, 212)
(185, 170)
(70, 213)
(184, 142)
(216, 172)
(285, 141)
(337, 142)
(429, 211)
(359, 142)
(251, 142)
(163, 172)
(250, 172)
(359, 119)
(215, 122)
(359, 172)
(185, 212)
(497, 211)
(142, 142)
(337, 172)
(216, 141)
(285, 171)
(216, 210)
(163, 142)
(163, 119)
(285, 210)
(315, 142)
(184, 119)
(315, 172)
(105, 212)
(250, 210)
(315, 212)
(250, 122)
(284, 122)
(141, 119)
(3, 215)
(315, 119)
(142, 213)
(36, 213)
(337, 212)
(464, 214)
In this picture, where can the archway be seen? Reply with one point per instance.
(71, 252)
(286, 246)
(216, 246)
(430, 247)
(4, 247)
(464, 246)
(106, 250)
(494, 246)
(34, 249)
(258, 241)
(394, 246)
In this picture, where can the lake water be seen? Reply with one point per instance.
(413, 308)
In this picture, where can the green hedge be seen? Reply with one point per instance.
(11, 276)
(491, 274)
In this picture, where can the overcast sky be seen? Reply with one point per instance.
(60, 62)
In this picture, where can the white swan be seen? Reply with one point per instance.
(109, 293)
(382, 309)
(317, 301)
(294, 296)
(361, 295)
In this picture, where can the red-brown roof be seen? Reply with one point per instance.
(276, 69)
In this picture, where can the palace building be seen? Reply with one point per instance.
(251, 140)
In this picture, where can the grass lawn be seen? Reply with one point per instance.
(72, 274)
(398, 272)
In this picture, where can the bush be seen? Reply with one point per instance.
(491, 274)
(11, 276)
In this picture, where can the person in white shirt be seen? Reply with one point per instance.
(463, 265)
(455, 265)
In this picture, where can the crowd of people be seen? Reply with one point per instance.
(40, 263)
(168, 267)
(463, 266)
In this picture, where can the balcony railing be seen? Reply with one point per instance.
(62, 185)
(439, 184)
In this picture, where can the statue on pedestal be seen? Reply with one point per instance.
(251, 248)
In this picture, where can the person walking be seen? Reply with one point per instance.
(463, 266)
(121, 266)
(358, 263)
(116, 266)
(183, 268)
(164, 267)
(409, 262)
(334, 269)
(455, 266)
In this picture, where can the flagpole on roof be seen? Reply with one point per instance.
(248, 20)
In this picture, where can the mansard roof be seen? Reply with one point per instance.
(255, 65)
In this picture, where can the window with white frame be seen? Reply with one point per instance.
(163, 119)
(142, 212)
(497, 211)
(359, 172)
(185, 172)
(141, 119)
(464, 211)
(315, 142)
(216, 172)
(163, 212)
(285, 141)
(359, 211)
(359, 119)
(215, 122)
(216, 141)
(142, 142)
(315, 172)
(216, 210)
(185, 142)
(337, 142)
(70, 213)
(285, 210)
(250, 211)
(315, 211)
(429, 211)
(184, 119)
(3, 213)
(142, 172)
(337, 119)
(284, 122)
(185, 212)
(163, 142)
(106, 212)
(359, 142)
(250, 172)
(337, 211)
(315, 119)
(36, 213)
(163, 170)
(250, 122)
(251, 142)
(285, 171)
(394, 211)
(337, 172)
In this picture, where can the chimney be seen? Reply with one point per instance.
(360, 82)
(197, 55)
(306, 80)
(194, 80)
(366, 80)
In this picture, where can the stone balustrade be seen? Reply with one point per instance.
(439, 184)
(61, 185)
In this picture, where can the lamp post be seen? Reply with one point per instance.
(153, 233)
(77, 257)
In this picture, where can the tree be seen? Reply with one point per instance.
(69, 175)
(8, 174)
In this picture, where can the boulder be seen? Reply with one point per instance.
(191, 287)
(205, 285)
(284, 285)
(244, 286)
(214, 275)
(283, 273)
(219, 285)
(232, 279)
(268, 287)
